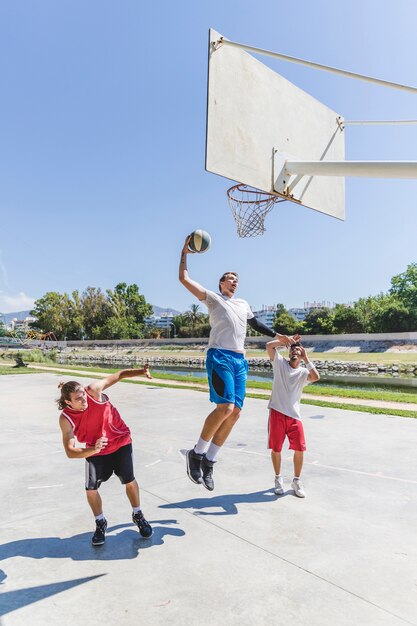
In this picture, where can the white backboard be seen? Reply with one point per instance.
(256, 119)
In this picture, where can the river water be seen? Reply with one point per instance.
(265, 375)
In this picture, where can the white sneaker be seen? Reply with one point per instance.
(279, 485)
(297, 485)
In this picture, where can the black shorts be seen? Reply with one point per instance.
(98, 469)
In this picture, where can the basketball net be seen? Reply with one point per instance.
(250, 207)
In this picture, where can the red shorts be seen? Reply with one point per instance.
(280, 425)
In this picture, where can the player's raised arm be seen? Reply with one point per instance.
(96, 387)
(313, 375)
(281, 340)
(195, 288)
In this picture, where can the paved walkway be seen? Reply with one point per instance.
(239, 556)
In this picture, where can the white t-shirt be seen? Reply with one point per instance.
(228, 321)
(287, 387)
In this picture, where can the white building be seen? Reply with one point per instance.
(268, 312)
(165, 320)
(298, 314)
(266, 315)
(21, 326)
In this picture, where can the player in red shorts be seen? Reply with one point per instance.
(284, 409)
(88, 415)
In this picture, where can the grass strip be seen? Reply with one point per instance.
(342, 391)
(363, 394)
(326, 404)
(16, 370)
(362, 408)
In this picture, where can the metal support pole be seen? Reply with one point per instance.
(377, 122)
(367, 169)
(317, 66)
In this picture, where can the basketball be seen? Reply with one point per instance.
(200, 241)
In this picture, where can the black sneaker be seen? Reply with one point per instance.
(99, 536)
(145, 528)
(207, 469)
(194, 466)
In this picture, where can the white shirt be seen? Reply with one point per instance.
(287, 387)
(228, 321)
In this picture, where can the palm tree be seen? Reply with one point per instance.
(193, 316)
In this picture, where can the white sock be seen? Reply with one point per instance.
(212, 452)
(136, 509)
(201, 446)
(100, 517)
(297, 478)
(278, 476)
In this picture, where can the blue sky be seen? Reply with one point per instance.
(102, 132)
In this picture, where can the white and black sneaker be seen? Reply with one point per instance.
(144, 526)
(207, 470)
(194, 466)
(99, 536)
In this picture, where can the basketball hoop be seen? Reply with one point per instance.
(250, 207)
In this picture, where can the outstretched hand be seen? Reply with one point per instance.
(288, 340)
(186, 249)
(146, 371)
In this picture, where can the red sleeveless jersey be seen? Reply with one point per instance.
(99, 419)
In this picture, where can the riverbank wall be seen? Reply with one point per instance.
(359, 342)
(175, 352)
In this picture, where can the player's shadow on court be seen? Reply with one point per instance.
(13, 600)
(228, 503)
(122, 545)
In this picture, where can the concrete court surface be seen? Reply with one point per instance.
(346, 554)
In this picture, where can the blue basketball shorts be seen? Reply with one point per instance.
(227, 373)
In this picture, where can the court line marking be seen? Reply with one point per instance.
(335, 467)
(154, 463)
(372, 474)
(45, 486)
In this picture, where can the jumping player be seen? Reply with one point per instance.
(226, 365)
(88, 415)
(284, 409)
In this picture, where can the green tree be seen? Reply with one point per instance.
(128, 311)
(396, 318)
(54, 313)
(404, 287)
(389, 314)
(286, 324)
(95, 311)
(346, 319)
(193, 317)
(319, 321)
(367, 312)
(128, 302)
(117, 327)
(75, 330)
(186, 326)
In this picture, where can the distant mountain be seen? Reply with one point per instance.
(20, 315)
(157, 310)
